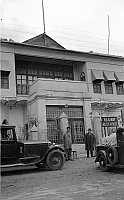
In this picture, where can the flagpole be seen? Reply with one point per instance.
(108, 34)
(44, 24)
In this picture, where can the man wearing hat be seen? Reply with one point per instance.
(89, 142)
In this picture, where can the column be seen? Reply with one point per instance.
(87, 113)
(64, 122)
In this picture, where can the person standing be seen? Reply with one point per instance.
(67, 144)
(89, 142)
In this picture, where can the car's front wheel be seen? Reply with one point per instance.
(55, 160)
(112, 155)
(103, 163)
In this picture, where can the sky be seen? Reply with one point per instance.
(80, 25)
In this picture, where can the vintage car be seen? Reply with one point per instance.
(38, 153)
(110, 156)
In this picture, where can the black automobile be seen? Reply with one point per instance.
(110, 156)
(38, 153)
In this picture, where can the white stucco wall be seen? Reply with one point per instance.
(45, 92)
(102, 67)
(9, 59)
(14, 115)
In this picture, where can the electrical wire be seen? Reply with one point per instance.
(81, 46)
(66, 28)
(65, 38)
(61, 37)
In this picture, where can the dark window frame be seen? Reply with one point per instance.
(108, 87)
(120, 88)
(21, 88)
(97, 86)
(5, 79)
(46, 71)
(32, 74)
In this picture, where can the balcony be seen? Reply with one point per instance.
(58, 89)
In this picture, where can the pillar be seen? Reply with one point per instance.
(42, 125)
(87, 113)
(64, 122)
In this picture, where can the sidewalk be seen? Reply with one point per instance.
(80, 148)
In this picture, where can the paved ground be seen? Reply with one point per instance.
(78, 180)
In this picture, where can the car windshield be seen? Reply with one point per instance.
(7, 134)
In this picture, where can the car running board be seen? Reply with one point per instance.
(28, 160)
(23, 162)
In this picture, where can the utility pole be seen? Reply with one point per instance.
(108, 33)
(44, 24)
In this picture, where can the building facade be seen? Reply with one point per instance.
(41, 83)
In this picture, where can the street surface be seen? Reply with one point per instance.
(78, 180)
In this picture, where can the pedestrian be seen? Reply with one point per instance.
(67, 144)
(89, 142)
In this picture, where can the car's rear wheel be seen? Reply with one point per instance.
(55, 160)
(103, 163)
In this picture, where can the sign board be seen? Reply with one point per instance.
(109, 121)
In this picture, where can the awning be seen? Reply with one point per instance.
(11, 101)
(109, 76)
(5, 65)
(97, 75)
(119, 76)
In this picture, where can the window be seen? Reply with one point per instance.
(21, 84)
(68, 73)
(120, 88)
(5, 79)
(55, 71)
(7, 134)
(46, 71)
(31, 79)
(108, 87)
(32, 75)
(58, 72)
(97, 86)
(22, 87)
(27, 72)
(82, 76)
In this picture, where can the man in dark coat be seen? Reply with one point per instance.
(89, 142)
(67, 144)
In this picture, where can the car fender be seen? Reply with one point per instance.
(53, 147)
(56, 147)
(101, 152)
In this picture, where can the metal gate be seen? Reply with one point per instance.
(53, 131)
(76, 123)
(77, 130)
